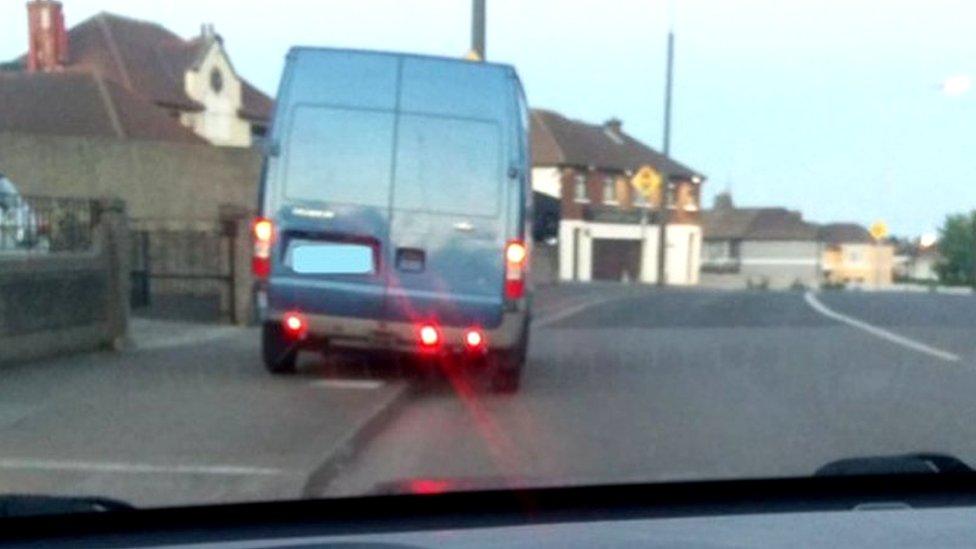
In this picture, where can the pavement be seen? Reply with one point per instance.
(186, 415)
(624, 383)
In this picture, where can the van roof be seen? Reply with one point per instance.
(299, 49)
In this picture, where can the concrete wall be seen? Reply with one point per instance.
(781, 263)
(776, 264)
(66, 302)
(164, 185)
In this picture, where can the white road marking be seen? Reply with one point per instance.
(139, 468)
(361, 384)
(816, 305)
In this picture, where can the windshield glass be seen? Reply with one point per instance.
(276, 250)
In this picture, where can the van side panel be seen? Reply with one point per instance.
(335, 126)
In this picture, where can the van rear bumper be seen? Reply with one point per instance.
(357, 333)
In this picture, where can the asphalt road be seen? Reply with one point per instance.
(642, 385)
(623, 384)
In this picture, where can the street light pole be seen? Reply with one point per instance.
(665, 183)
(478, 28)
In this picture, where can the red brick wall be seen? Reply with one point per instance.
(686, 193)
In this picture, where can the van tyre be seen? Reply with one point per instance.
(280, 355)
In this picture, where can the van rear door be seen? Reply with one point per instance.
(331, 196)
(450, 193)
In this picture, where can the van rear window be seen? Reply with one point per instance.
(448, 165)
(339, 155)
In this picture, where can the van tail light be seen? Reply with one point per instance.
(263, 232)
(295, 325)
(474, 340)
(516, 256)
(429, 336)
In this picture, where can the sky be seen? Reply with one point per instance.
(830, 107)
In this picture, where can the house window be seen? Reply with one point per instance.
(579, 188)
(216, 80)
(609, 191)
(715, 251)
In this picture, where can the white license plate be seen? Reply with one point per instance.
(333, 258)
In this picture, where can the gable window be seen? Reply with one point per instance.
(579, 188)
(216, 80)
(609, 191)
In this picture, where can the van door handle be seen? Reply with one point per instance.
(463, 226)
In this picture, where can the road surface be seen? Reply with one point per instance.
(689, 385)
(624, 383)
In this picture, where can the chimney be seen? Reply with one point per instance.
(208, 32)
(48, 48)
(614, 125)
(723, 201)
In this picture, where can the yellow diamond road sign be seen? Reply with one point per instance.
(878, 230)
(647, 181)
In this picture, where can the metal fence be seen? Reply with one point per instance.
(44, 224)
(183, 274)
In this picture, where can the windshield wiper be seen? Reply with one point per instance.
(21, 505)
(903, 464)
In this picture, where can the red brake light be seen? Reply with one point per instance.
(261, 267)
(429, 336)
(516, 255)
(294, 324)
(263, 231)
(474, 339)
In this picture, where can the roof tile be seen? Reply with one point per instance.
(559, 140)
(81, 104)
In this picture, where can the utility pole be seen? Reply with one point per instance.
(972, 227)
(478, 28)
(663, 212)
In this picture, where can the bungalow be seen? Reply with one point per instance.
(758, 247)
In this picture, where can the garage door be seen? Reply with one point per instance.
(613, 259)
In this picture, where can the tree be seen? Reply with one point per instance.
(957, 245)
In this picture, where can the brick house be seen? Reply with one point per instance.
(126, 78)
(581, 174)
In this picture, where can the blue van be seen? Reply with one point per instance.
(394, 210)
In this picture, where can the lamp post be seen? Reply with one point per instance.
(478, 28)
(663, 213)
